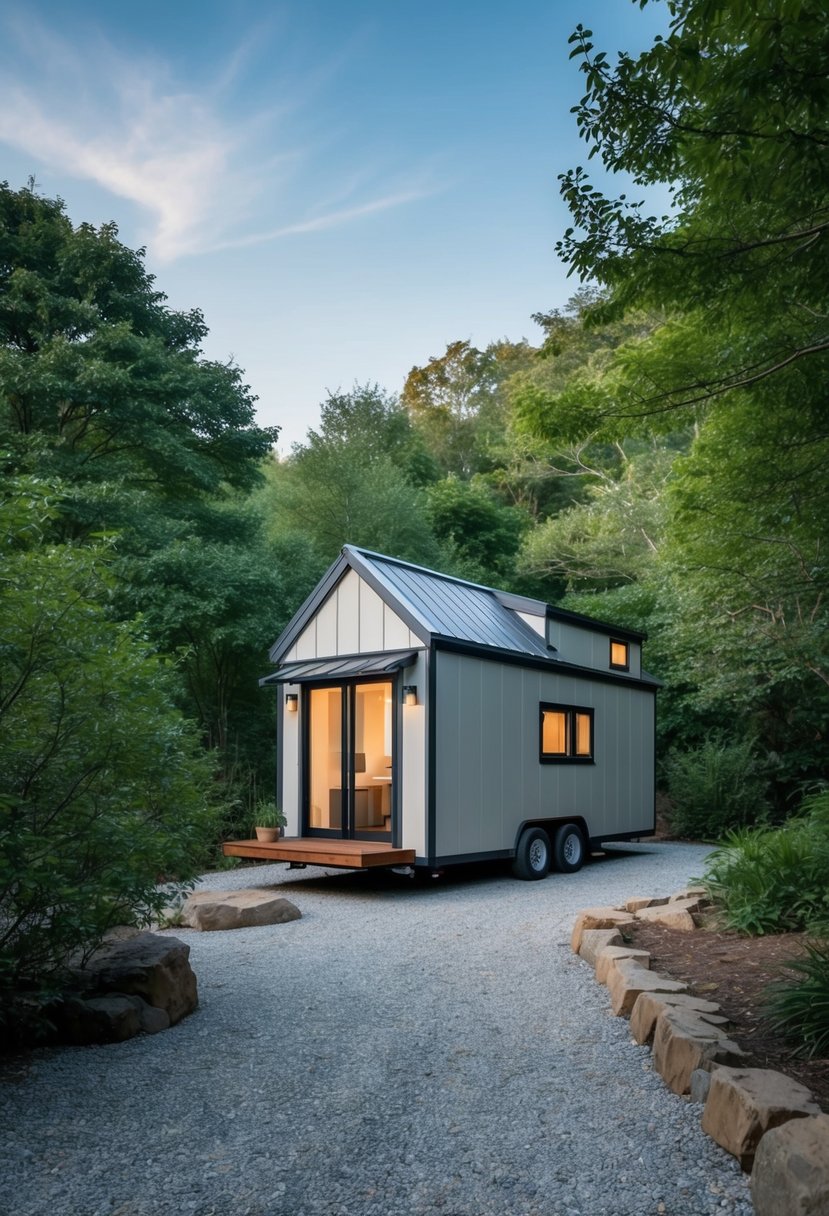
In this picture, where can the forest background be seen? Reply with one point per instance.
(658, 459)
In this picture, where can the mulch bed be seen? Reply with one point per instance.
(735, 972)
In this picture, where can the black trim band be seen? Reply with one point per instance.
(495, 654)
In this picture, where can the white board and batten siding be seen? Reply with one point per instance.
(488, 774)
(355, 620)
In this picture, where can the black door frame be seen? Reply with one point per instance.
(347, 775)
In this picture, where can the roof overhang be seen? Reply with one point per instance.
(344, 667)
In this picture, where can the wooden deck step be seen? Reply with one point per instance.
(318, 851)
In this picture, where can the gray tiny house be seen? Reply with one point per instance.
(424, 720)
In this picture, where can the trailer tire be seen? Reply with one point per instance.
(569, 849)
(533, 855)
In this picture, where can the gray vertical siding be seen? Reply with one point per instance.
(488, 775)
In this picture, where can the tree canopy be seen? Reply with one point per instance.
(94, 362)
(728, 112)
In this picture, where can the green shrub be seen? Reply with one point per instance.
(715, 788)
(800, 1007)
(771, 880)
(104, 787)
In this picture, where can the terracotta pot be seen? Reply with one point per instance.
(268, 835)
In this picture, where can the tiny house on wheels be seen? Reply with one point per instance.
(426, 721)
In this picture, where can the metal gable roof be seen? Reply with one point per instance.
(448, 607)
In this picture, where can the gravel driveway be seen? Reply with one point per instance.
(401, 1049)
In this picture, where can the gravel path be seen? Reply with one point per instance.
(401, 1049)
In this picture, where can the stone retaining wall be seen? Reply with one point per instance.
(769, 1122)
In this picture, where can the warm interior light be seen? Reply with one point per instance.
(409, 694)
(291, 702)
(619, 654)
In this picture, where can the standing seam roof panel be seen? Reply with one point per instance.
(459, 611)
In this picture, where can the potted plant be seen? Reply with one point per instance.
(268, 821)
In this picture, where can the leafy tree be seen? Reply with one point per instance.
(729, 112)
(353, 481)
(614, 535)
(212, 602)
(103, 785)
(104, 386)
(92, 358)
(457, 402)
(747, 557)
(479, 534)
(375, 423)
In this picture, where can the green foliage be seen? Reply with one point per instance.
(352, 482)
(211, 602)
(748, 514)
(471, 525)
(772, 880)
(92, 359)
(103, 387)
(104, 788)
(799, 1005)
(457, 402)
(715, 787)
(729, 112)
(612, 537)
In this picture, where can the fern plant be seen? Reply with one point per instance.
(799, 1008)
(773, 880)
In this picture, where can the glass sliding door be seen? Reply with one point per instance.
(349, 767)
(324, 775)
(372, 758)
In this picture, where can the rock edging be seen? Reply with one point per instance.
(769, 1122)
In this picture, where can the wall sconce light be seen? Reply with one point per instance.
(410, 694)
(291, 702)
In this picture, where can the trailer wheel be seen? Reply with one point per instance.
(568, 850)
(532, 857)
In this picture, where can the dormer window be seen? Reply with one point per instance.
(619, 655)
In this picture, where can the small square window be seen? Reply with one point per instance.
(566, 734)
(620, 655)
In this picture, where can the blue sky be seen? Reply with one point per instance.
(342, 188)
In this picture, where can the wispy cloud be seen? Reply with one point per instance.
(203, 176)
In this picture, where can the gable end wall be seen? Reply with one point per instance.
(352, 620)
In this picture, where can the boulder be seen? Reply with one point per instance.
(245, 909)
(643, 901)
(791, 1169)
(151, 1020)
(598, 918)
(626, 979)
(683, 1042)
(745, 1103)
(150, 966)
(593, 941)
(649, 1005)
(696, 891)
(677, 914)
(611, 954)
(97, 1019)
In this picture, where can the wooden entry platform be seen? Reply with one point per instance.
(320, 851)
